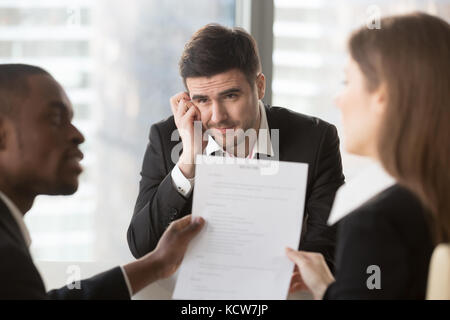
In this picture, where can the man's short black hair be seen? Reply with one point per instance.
(215, 49)
(14, 84)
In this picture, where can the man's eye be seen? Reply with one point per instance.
(231, 96)
(56, 119)
(202, 100)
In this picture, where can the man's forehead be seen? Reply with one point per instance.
(47, 91)
(216, 83)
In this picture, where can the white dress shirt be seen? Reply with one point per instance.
(18, 217)
(370, 182)
(263, 145)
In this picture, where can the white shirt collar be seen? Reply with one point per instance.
(360, 189)
(263, 143)
(18, 217)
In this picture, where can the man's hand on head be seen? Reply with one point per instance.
(185, 113)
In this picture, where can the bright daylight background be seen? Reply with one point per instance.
(118, 59)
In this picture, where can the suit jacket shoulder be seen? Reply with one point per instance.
(389, 232)
(395, 207)
(284, 117)
(21, 280)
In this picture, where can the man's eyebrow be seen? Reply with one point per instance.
(229, 91)
(222, 93)
(199, 96)
(62, 107)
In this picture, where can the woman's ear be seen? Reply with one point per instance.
(380, 99)
(261, 85)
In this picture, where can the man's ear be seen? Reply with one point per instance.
(5, 131)
(2, 133)
(261, 85)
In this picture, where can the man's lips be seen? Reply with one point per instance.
(224, 130)
(74, 158)
(76, 154)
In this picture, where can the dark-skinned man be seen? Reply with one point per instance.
(39, 154)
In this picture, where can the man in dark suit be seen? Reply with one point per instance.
(39, 154)
(221, 70)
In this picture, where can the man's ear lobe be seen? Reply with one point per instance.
(2, 133)
(261, 85)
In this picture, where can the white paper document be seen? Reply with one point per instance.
(253, 210)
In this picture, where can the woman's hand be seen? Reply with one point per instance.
(311, 273)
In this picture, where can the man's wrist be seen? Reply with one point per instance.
(142, 272)
(187, 167)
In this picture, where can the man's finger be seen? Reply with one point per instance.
(180, 96)
(190, 114)
(174, 100)
(182, 223)
(191, 230)
(181, 108)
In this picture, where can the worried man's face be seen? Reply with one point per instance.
(227, 102)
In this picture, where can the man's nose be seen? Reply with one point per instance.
(75, 135)
(219, 112)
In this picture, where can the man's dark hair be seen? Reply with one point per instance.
(14, 84)
(215, 49)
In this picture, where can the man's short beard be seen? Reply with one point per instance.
(63, 189)
(236, 143)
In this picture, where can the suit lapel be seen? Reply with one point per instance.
(9, 225)
(274, 124)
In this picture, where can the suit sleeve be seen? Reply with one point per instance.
(158, 202)
(22, 281)
(109, 285)
(364, 241)
(327, 178)
(20, 278)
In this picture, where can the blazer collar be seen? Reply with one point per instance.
(366, 185)
(18, 218)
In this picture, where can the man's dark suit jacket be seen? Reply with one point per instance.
(19, 278)
(301, 139)
(391, 232)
